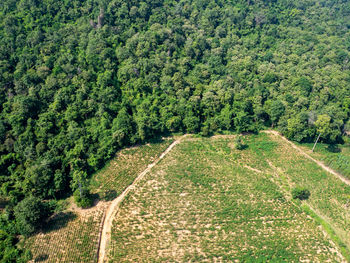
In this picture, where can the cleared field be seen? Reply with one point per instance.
(68, 238)
(207, 202)
(329, 195)
(73, 235)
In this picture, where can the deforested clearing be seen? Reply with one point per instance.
(206, 201)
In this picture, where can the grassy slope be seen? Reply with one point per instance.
(329, 195)
(338, 160)
(72, 236)
(202, 203)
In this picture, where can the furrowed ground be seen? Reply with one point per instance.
(73, 235)
(122, 171)
(206, 201)
(329, 195)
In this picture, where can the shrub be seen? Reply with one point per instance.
(83, 199)
(300, 193)
(239, 145)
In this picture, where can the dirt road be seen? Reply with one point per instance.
(322, 165)
(113, 207)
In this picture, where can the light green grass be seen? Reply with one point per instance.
(202, 203)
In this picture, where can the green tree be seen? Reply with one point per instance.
(30, 214)
(11, 252)
(276, 111)
(323, 126)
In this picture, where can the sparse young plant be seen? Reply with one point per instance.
(197, 175)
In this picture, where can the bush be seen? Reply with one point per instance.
(300, 193)
(239, 145)
(83, 199)
(30, 213)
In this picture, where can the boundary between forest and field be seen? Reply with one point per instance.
(319, 163)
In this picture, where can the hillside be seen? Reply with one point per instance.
(73, 235)
(82, 79)
(208, 202)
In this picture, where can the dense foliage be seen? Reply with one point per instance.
(81, 78)
(10, 251)
(30, 213)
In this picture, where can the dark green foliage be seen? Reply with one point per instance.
(300, 193)
(30, 214)
(83, 198)
(9, 250)
(277, 110)
(239, 144)
(76, 85)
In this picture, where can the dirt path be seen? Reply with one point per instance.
(113, 207)
(321, 164)
(277, 173)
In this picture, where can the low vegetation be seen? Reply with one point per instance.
(328, 194)
(239, 144)
(67, 237)
(208, 201)
(122, 170)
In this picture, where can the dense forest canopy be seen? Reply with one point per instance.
(81, 79)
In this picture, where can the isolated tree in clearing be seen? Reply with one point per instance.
(239, 145)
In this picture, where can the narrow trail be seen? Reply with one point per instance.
(277, 173)
(113, 207)
(319, 163)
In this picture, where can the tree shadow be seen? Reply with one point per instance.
(333, 148)
(41, 257)
(58, 221)
(3, 203)
(244, 146)
(108, 195)
(155, 140)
